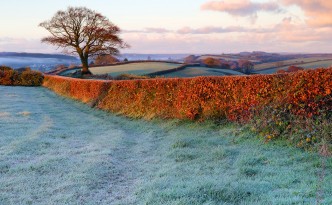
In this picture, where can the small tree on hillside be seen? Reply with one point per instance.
(225, 66)
(212, 62)
(190, 59)
(105, 59)
(246, 66)
(85, 32)
(294, 69)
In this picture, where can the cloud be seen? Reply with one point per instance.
(201, 30)
(318, 12)
(148, 30)
(211, 29)
(289, 32)
(286, 36)
(241, 7)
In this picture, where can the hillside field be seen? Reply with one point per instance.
(146, 68)
(58, 151)
(308, 63)
(201, 71)
(134, 68)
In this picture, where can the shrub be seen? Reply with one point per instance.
(11, 77)
(130, 77)
(31, 78)
(87, 91)
(5, 68)
(23, 69)
(212, 62)
(294, 69)
(105, 60)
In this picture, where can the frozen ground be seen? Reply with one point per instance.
(57, 151)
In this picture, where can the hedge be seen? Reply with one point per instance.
(303, 94)
(204, 97)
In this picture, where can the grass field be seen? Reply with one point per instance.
(130, 68)
(310, 65)
(134, 68)
(201, 71)
(314, 62)
(225, 57)
(58, 151)
(292, 62)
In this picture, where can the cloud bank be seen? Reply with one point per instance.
(240, 7)
(317, 12)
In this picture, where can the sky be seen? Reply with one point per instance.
(183, 26)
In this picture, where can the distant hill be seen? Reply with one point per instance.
(37, 55)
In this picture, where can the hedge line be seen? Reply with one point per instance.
(305, 95)
(10, 77)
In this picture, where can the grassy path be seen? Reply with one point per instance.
(56, 151)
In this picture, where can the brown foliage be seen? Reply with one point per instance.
(212, 62)
(190, 59)
(246, 66)
(5, 68)
(17, 78)
(105, 59)
(294, 69)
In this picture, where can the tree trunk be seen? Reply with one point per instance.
(85, 66)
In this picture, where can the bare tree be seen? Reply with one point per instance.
(85, 32)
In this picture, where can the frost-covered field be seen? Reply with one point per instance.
(57, 151)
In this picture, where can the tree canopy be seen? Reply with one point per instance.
(85, 32)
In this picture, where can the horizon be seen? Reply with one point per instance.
(198, 27)
(196, 54)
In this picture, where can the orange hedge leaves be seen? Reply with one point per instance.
(304, 93)
(10, 77)
(87, 91)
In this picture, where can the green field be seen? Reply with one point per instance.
(57, 151)
(309, 65)
(151, 67)
(225, 57)
(134, 68)
(314, 62)
(201, 71)
(287, 63)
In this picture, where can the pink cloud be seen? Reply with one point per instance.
(318, 12)
(200, 30)
(240, 7)
(148, 30)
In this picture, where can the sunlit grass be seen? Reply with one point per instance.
(201, 71)
(134, 68)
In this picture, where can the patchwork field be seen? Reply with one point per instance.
(201, 71)
(130, 68)
(58, 151)
(152, 67)
(268, 68)
(290, 62)
(134, 68)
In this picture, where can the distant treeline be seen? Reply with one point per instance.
(37, 55)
